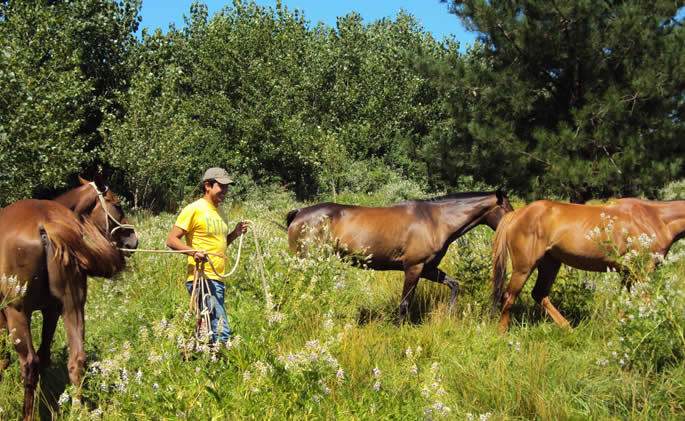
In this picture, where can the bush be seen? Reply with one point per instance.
(649, 334)
(673, 190)
(372, 176)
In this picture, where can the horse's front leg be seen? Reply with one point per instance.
(411, 278)
(436, 275)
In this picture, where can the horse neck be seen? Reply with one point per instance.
(80, 199)
(672, 214)
(101, 256)
(461, 215)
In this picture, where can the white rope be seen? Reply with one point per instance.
(107, 214)
(201, 311)
(237, 260)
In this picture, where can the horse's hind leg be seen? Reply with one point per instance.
(4, 344)
(547, 272)
(19, 327)
(437, 275)
(516, 283)
(50, 317)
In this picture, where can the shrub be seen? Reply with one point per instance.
(649, 334)
(673, 190)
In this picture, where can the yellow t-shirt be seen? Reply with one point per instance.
(206, 229)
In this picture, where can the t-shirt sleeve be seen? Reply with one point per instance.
(185, 219)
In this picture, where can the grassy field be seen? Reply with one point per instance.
(329, 349)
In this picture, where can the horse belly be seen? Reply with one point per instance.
(592, 261)
(372, 252)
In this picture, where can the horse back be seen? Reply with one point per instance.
(382, 232)
(27, 221)
(573, 233)
(22, 249)
(309, 221)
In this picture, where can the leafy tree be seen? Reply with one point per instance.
(154, 146)
(58, 64)
(578, 98)
(258, 91)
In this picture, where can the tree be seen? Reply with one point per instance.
(154, 146)
(578, 98)
(59, 63)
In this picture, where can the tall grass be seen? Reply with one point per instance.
(328, 347)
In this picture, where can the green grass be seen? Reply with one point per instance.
(332, 350)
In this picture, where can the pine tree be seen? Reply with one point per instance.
(579, 99)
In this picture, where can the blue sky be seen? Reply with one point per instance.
(431, 14)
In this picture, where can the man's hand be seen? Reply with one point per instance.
(199, 256)
(241, 228)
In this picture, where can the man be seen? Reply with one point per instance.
(205, 228)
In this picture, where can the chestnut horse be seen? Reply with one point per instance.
(545, 234)
(50, 250)
(412, 236)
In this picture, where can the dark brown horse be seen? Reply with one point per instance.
(545, 234)
(51, 250)
(412, 236)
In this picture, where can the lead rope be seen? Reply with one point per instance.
(267, 296)
(199, 304)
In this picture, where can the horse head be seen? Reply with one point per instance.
(94, 201)
(501, 207)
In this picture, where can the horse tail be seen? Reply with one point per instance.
(279, 225)
(290, 217)
(80, 246)
(500, 256)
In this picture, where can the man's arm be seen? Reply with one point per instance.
(174, 242)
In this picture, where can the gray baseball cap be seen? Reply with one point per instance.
(218, 174)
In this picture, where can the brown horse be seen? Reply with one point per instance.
(412, 236)
(48, 250)
(545, 234)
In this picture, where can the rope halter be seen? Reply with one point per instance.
(108, 216)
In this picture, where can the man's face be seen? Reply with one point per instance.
(217, 192)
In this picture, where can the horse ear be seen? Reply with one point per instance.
(501, 195)
(99, 181)
(82, 180)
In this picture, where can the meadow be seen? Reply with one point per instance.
(315, 338)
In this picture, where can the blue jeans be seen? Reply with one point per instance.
(218, 313)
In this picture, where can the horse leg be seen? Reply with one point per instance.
(4, 344)
(547, 272)
(19, 325)
(50, 317)
(437, 275)
(73, 301)
(74, 324)
(516, 283)
(411, 278)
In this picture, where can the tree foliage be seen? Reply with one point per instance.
(261, 92)
(59, 61)
(574, 99)
(577, 98)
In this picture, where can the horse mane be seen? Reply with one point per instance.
(456, 196)
(81, 246)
